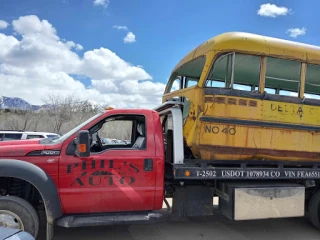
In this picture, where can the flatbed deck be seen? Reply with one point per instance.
(249, 170)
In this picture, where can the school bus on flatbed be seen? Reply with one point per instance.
(250, 97)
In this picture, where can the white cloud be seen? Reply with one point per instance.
(37, 62)
(104, 64)
(103, 3)
(76, 46)
(3, 24)
(121, 27)
(295, 32)
(130, 38)
(272, 10)
(7, 43)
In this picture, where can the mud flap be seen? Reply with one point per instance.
(192, 201)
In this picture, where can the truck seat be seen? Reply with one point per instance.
(141, 139)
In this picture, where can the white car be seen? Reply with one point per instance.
(23, 135)
(14, 234)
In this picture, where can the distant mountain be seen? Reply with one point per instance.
(19, 103)
(15, 103)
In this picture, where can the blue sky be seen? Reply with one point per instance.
(164, 31)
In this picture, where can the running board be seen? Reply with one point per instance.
(89, 220)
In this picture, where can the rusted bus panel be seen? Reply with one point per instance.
(264, 110)
(291, 113)
(231, 142)
(234, 107)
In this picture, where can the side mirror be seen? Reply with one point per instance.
(83, 144)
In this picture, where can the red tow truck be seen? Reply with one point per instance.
(78, 181)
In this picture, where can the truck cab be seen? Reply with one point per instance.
(68, 176)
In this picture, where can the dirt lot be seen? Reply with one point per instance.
(215, 227)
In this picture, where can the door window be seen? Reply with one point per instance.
(121, 131)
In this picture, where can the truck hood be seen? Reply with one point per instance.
(20, 148)
(19, 142)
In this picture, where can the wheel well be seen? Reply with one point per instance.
(20, 188)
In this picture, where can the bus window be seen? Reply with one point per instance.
(191, 82)
(288, 93)
(283, 74)
(246, 71)
(173, 84)
(267, 90)
(312, 96)
(241, 87)
(312, 85)
(217, 84)
(221, 71)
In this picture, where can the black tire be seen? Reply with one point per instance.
(24, 211)
(314, 210)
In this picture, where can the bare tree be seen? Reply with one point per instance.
(81, 111)
(13, 123)
(17, 119)
(26, 118)
(58, 110)
(61, 110)
(36, 119)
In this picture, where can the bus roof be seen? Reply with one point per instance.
(255, 44)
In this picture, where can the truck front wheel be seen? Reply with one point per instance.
(17, 213)
(314, 210)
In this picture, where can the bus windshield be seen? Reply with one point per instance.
(187, 75)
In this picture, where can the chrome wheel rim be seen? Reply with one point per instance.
(9, 219)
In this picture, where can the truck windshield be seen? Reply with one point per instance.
(71, 132)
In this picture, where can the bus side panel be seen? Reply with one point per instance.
(243, 128)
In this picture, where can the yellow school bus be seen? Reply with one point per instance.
(249, 97)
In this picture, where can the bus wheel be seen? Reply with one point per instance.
(314, 210)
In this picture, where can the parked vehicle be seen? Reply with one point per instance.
(256, 151)
(14, 234)
(9, 135)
